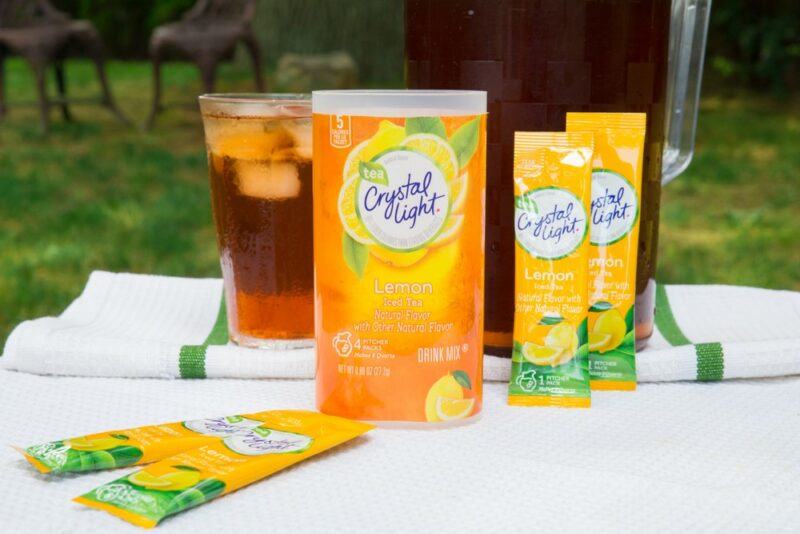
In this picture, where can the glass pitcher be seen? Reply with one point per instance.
(539, 59)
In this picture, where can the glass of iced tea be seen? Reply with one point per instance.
(259, 158)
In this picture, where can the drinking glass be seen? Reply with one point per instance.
(259, 158)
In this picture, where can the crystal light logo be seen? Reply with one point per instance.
(614, 207)
(221, 426)
(402, 199)
(264, 440)
(549, 222)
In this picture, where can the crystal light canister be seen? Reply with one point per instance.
(399, 184)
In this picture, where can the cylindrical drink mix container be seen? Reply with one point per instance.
(399, 183)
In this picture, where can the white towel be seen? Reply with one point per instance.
(130, 325)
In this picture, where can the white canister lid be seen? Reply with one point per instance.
(399, 103)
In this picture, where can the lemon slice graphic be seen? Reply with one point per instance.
(458, 193)
(446, 387)
(448, 409)
(147, 480)
(540, 355)
(598, 341)
(563, 336)
(398, 259)
(388, 135)
(96, 444)
(449, 231)
(612, 323)
(347, 213)
(437, 149)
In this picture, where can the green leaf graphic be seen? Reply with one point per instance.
(462, 378)
(431, 125)
(119, 436)
(355, 254)
(629, 318)
(185, 468)
(600, 305)
(373, 172)
(465, 140)
(549, 320)
(526, 203)
(628, 343)
(583, 331)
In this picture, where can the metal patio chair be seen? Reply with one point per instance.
(44, 36)
(206, 34)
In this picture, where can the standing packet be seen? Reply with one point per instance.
(552, 173)
(133, 446)
(614, 238)
(196, 476)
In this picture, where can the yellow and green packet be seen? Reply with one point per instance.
(552, 193)
(196, 476)
(614, 232)
(141, 445)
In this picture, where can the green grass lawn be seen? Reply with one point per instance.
(98, 195)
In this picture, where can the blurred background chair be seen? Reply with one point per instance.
(206, 34)
(44, 36)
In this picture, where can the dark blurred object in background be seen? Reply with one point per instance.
(371, 31)
(206, 34)
(45, 37)
(126, 25)
(756, 43)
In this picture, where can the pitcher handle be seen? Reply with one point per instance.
(687, 45)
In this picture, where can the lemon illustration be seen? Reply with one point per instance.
(612, 323)
(96, 444)
(398, 259)
(449, 231)
(450, 409)
(598, 341)
(174, 481)
(540, 355)
(437, 149)
(347, 213)
(562, 336)
(388, 135)
(446, 388)
(458, 193)
(147, 480)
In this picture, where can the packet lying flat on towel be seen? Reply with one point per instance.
(194, 477)
(145, 444)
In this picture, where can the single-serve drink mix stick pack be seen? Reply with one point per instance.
(145, 444)
(196, 476)
(614, 231)
(550, 359)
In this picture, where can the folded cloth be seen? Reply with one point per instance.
(131, 325)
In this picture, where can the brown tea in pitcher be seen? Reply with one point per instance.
(538, 59)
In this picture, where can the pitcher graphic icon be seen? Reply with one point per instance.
(527, 380)
(342, 344)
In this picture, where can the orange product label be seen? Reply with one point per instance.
(616, 196)
(398, 254)
(552, 180)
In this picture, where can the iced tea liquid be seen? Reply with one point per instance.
(260, 172)
(538, 59)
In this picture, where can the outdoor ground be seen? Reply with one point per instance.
(99, 195)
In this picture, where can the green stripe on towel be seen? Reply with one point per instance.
(192, 358)
(710, 362)
(710, 357)
(665, 320)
